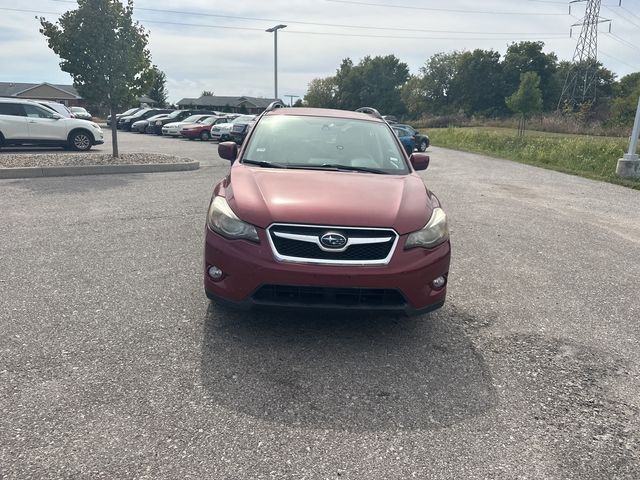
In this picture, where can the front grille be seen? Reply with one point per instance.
(366, 245)
(328, 296)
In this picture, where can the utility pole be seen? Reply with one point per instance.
(275, 57)
(629, 165)
(580, 84)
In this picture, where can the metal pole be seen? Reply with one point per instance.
(274, 30)
(633, 144)
(629, 165)
(275, 63)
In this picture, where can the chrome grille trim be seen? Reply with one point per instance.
(392, 234)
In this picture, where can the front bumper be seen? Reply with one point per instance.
(250, 267)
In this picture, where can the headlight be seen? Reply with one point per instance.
(96, 126)
(222, 220)
(435, 232)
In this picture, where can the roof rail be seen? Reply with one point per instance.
(274, 105)
(370, 111)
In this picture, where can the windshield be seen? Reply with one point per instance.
(192, 119)
(209, 120)
(129, 112)
(324, 142)
(174, 114)
(243, 119)
(78, 109)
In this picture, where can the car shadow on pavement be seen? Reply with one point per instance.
(353, 372)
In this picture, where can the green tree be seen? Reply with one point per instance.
(527, 100)
(104, 51)
(206, 93)
(438, 75)
(321, 93)
(414, 96)
(524, 57)
(478, 86)
(158, 90)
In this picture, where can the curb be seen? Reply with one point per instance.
(33, 172)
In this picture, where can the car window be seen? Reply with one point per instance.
(13, 109)
(33, 111)
(315, 141)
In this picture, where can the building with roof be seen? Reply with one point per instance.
(65, 94)
(241, 104)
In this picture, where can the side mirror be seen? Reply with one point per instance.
(228, 150)
(57, 116)
(419, 161)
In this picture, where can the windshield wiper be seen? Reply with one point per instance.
(338, 166)
(264, 164)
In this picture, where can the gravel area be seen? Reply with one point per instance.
(66, 159)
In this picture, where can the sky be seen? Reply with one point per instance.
(222, 46)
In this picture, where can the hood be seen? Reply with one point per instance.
(262, 196)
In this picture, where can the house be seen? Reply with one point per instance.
(65, 94)
(253, 105)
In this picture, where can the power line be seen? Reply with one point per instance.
(618, 60)
(302, 32)
(318, 24)
(448, 10)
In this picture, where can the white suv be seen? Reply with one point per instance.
(24, 122)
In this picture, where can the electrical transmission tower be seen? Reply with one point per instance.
(580, 84)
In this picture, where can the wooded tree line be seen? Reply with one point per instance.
(474, 82)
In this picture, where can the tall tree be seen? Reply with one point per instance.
(524, 57)
(527, 100)
(207, 93)
(321, 93)
(104, 51)
(438, 76)
(158, 90)
(478, 86)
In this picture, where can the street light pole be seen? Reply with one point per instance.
(275, 56)
(629, 165)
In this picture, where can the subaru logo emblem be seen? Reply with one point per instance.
(333, 240)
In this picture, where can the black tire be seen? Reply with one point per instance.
(205, 136)
(1, 140)
(80, 140)
(424, 144)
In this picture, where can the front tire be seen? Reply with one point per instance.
(204, 136)
(80, 141)
(423, 145)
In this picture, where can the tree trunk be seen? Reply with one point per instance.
(114, 132)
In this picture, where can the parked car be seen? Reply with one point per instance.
(141, 125)
(23, 122)
(125, 123)
(81, 113)
(421, 140)
(56, 107)
(202, 129)
(406, 138)
(131, 111)
(176, 116)
(241, 127)
(324, 209)
(222, 132)
(173, 129)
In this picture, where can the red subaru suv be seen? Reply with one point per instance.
(323, 209)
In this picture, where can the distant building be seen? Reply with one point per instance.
(253, 105)
(65, 94)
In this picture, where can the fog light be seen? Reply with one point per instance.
(439, 282)
(215, 273)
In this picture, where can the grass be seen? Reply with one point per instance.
(585, 156)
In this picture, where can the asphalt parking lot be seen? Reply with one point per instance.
(113, 364)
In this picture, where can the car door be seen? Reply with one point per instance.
(43, 125)
(13, 121)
